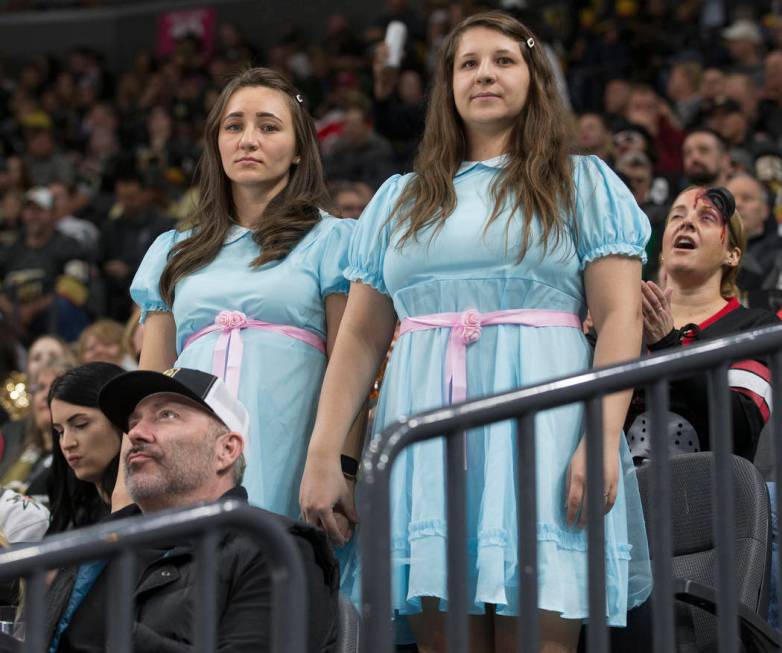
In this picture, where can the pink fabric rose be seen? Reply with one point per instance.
(231, 319)
(470, 324)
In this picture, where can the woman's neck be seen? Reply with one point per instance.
(486, 145)
(696, 302)
(104, 496)
(250, 202)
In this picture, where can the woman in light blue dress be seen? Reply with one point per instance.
(497, 245)
(254, 290)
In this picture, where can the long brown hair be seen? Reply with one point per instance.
(288, 217)
(538, 178)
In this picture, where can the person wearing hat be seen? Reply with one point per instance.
(727, 118)
(185, 446)
(744, 42)
(44, 274)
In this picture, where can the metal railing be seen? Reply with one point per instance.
(653, 373)
(117, 541)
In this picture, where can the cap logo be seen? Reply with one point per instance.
(171, 372)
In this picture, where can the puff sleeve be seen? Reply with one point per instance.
(372, 236)
(334, 256)
(145, 288)
(609, 221)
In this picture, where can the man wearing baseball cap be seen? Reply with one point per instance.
(186, 446)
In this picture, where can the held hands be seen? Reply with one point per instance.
(326, 498)
(658, 319)
(575, 483)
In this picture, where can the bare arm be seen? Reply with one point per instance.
(613, 293)
(335, 309)
(158, 347)
(364, 335)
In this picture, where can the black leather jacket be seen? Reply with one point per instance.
(165, 593)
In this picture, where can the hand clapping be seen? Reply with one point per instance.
(658, 319)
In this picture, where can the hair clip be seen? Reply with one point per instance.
(530, 42)
(299, 99)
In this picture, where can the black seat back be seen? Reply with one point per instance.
(694, 554)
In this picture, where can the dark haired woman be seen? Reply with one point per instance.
(86, 448)
(490, 254)
(254, 292)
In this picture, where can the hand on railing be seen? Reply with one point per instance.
(575, 483)
(326, 499)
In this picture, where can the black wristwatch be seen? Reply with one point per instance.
(349, 467)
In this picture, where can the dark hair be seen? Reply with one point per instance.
(74, 503)
(708, 130)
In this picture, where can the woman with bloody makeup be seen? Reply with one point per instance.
(703, 244)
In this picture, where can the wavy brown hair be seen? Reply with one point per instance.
(538, 178)
(288, 217)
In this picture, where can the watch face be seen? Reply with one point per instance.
(768, 168)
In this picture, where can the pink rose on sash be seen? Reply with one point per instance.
(470, 322)
(231, 319)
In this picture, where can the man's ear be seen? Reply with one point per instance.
(229, 447)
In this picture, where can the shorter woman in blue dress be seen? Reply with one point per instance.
(254, 291)
(490, 254)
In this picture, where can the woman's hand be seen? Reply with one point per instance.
(575, 483)
(326, 498)
(658, 319)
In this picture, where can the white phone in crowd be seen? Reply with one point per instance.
(396, 35)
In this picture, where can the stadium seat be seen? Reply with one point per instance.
(695, 561)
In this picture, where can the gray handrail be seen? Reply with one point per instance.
(589, 387)
(117, 539)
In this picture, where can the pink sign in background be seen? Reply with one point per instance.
(174, 25)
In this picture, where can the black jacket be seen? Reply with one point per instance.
(689, 396)
(166, 588)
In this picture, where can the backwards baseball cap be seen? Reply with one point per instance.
(120, 396)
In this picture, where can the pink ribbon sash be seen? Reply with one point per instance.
(227, 356)
(466, 329)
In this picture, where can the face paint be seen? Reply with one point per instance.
(722, 200)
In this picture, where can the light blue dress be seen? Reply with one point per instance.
(465, 267)
(280, 376)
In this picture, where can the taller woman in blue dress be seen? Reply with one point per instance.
(254, 291)
(497, 245)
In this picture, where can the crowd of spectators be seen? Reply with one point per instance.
(95, 163)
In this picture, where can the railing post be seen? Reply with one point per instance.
(597, 634)
(660, 509)
(35, 610)
(526, 511)
(456, 500)
(724, 517)
(205, 625)
(775, 424)
(375, 542)
(120, 613)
